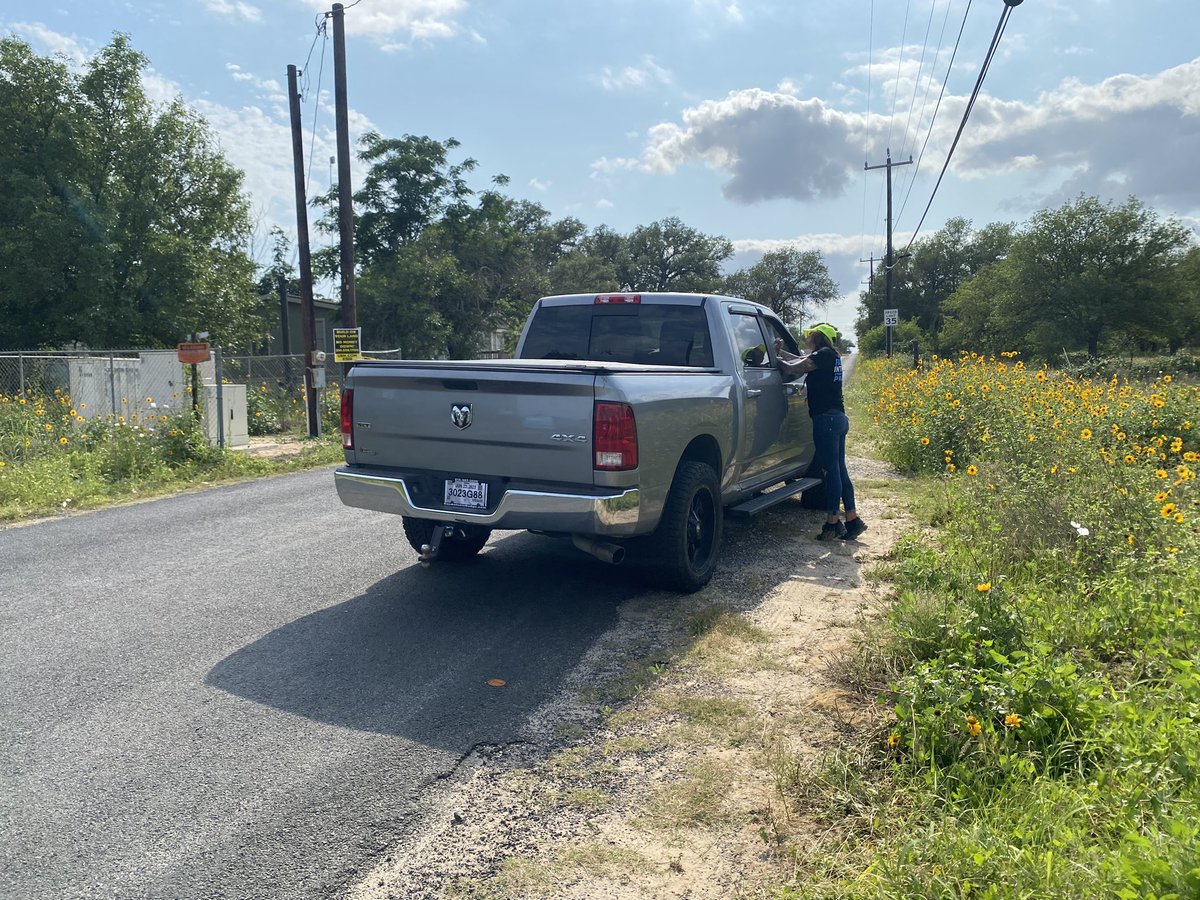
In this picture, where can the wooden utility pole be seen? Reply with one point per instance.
(349, 314)
(871, 281)
(308, 316)
(891, 256)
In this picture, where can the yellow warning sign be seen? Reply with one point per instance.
(347, 344)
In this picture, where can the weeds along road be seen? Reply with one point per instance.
(253, 691)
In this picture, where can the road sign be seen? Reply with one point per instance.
(192, 353)
(891, 317)
(347, 344)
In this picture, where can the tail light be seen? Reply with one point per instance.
(348, 419)
(614, 436)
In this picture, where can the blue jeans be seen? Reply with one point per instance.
(829, 438)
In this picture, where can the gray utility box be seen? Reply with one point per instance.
(233, 402)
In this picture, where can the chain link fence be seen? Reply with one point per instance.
(126, 382)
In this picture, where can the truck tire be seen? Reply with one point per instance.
(682, 552)
(467, 541)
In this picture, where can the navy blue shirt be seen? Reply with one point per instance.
(825, 383)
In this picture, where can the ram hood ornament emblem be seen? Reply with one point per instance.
(461, 415)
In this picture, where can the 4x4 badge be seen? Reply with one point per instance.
(461, 415)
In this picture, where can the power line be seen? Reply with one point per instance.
(316, 108)
(867, 122)
(1009, 5)
(917, 81)
(899, 63)
(938, 105)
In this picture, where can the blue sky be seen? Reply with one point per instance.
(746, 119)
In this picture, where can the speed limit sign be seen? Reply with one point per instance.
(891, 317)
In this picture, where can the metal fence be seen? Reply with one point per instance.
(124, 382)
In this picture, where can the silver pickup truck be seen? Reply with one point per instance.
(626, 421)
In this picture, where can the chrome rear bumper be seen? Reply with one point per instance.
(613, 515)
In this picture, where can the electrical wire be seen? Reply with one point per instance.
(937, 106)
(899, 63)
(867, 126)
(316, 108)
(983, 70)
(912, 104)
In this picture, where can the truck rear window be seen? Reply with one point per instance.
(663, 335)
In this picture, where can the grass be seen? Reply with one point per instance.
(1039, 669)
(53, 458)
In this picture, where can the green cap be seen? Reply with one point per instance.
(826, 329)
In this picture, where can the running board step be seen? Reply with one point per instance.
(757, 504)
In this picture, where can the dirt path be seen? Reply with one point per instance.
(674, 794)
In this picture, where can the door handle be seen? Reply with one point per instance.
(753, 392)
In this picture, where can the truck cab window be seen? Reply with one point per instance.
(749, 341)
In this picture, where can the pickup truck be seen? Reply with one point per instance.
(629, 422)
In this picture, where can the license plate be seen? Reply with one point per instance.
(466, 492)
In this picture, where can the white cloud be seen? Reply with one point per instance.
(648, 74)
(234, 8)
(772, 145)
(720, 10)
(605, 166)
(604, 203)
(52, 40)
(1128, 134)
(1125, 135)
(538, 185)
(396, 24)
(266, 88)
(827, 244)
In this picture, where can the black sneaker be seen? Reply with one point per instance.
(853, 529)
(832, 530)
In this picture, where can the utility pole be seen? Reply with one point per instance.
(308, 316)
(871, 280)
(891, 256)
(349, 316)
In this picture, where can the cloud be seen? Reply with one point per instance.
(828, 244)
(721, 10)
(1128, 134)
(396, 24)
(772, 145)
(266, 88)
(234, 9)
(68, 46)
(604, 203)
(538, 185)
(640, 77)
(605, 166)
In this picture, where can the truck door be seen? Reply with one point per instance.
(764, 408)
(796, 444)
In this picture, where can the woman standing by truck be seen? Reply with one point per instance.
(823, 365)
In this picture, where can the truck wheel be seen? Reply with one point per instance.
(466, 542)
(684, 549)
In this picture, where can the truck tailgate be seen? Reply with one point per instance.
(517, 422)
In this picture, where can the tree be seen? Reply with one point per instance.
(124, 224)
(441, 266)
(923, 281)
(671, 256)
(1088, 267)
(1182, 322)
(789, 281)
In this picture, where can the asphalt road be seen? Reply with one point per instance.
(250, 691)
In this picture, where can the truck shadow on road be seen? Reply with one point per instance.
(414, 655)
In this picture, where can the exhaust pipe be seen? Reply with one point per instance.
(604, 551)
